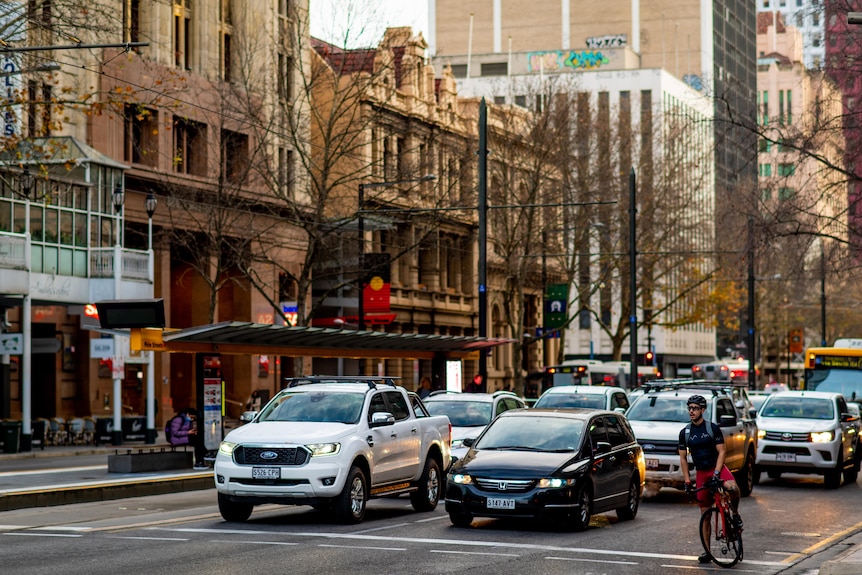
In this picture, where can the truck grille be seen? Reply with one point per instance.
(244, 455)
(783, 436)
(653, 448)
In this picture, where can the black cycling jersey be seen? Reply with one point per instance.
(701, 445)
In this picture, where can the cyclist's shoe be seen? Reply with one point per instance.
(736, 521)
(704, 558)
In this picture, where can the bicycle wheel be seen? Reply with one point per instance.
(720, 540)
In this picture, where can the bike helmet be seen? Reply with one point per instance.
(697, 400)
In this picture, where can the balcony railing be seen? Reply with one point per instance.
(136, 265)
(13, 251)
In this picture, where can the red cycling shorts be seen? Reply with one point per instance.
(704, 498)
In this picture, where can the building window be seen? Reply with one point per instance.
(141, 135)
(132, 20)
(815, 40)
(815, 19)
(226, 57)
(764, 145)
(764, 110)
(182, 33)
(234, 152)
(459, 70)
(786, 193)
(32, 102)
(786, 169)
(495, 69)
(789, 96)
(190, 145)
(285, 77)
(499, 100)
(764, 170)
(781, 106)
(521, 101)
(766, 194)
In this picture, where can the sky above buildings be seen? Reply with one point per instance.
(363, 22)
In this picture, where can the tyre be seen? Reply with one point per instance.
(233, 511)
(832, 478)
(581, 519)
(851, 474)
(460, 519)
(745, 476)
(349, 506)
(630, 510)
(428, 494)
(719, 539)
(756, 470)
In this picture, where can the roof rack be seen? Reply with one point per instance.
(442, 392)
(675, 384)
(372, 380)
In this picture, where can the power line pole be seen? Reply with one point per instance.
(483, 238)
(633, 268)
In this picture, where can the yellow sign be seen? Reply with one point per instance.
(146, 339)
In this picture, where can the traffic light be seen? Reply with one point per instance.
(649, 358)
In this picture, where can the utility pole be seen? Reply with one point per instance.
(483, 238)
(633, 268)
(752, 342)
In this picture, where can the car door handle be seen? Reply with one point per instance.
(414, 431)
(612, 458)
(370, 441)
(394, 435)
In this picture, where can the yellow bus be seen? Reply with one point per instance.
(837, 369)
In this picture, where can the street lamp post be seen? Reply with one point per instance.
(361, 232)
(822, 294)
(26, 184)
(117, 199)
(150, 437)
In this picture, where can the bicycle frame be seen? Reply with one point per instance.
(716, 528)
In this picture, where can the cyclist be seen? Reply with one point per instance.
(703, 439)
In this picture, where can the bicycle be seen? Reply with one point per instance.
(721, 539)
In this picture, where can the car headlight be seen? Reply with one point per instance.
(761, 433)
(321, 449)
(226, 448)
(456, 443)
(822, 436)
(462, 479)
(555, 483)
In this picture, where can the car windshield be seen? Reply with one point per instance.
(653, 408)
(462, 413)
(525, 433)
(314, 406)
(566, 400)
(801, 407)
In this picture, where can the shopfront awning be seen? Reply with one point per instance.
(265, 339)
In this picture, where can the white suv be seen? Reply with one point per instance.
(586, 396)
(808, 432)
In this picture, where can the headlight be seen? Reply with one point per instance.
(822, 436)
(320, 449)
(456, 443)
(761, 433)
(462, 479)
(226, 448)
(555, 482)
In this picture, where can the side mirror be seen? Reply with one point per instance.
(468, 442)
(848, 417)
(620, 409)
(381, 419)
(727, 421)
(752, 413)
(247, 416)
(602, 447)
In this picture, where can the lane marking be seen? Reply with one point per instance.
(233, 541)
(148, 538)
(463, 543)
(780, 552)
(448, 552)
(60, 528)
(33, 534)
(715, 568)
(363, 547)
(592, 560)
(397, 525)
(823, 543)
(431, 519)
(54, 470)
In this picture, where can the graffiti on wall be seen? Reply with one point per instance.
(607, 41)
(558, 61)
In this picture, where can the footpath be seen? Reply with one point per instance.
(60, 475)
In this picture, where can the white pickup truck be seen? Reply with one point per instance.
(332, 443)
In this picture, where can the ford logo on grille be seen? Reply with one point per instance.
(268, 455)
(648, 447)
(786, 436)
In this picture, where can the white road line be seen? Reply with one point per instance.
(467, 543)
(592, 560)
(781, 552)
(445, 551)
(61, 528)
(148, 538)
(32, 534)
(431, 519)
(234, 541)
(396, 526)
(55, 470)
(364, 547)
(736, 568)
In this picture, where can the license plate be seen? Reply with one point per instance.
(494, 503)
(652, 463)
(266, 473)
(786, 457)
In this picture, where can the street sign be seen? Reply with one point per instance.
(102, 348)
(147, 339)
(11, 343)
